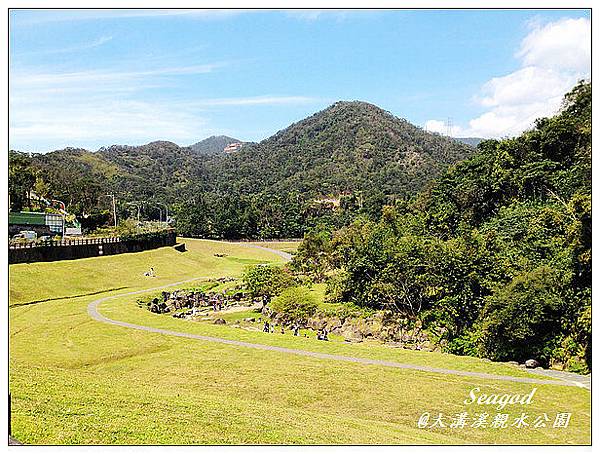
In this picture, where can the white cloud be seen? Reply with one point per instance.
(441, 127)
(524, 87)
(102, 120)
(436, 126)
(47, 16)
(554, 57)
(518, 99)
(28, 79)
(563, 45)
(104, 106)
(100, 107)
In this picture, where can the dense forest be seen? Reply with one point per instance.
(348, 160)
(494, 257)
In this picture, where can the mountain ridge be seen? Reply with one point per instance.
(359, 136)
(352, 152)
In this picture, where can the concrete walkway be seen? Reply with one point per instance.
(583, 381)
(285, 255)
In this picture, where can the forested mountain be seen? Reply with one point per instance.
(154, 171)
(493, 257)
(347, 160)
(345, 149)
(213, 145)
(351, 158)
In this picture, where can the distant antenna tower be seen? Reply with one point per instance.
(449, 126)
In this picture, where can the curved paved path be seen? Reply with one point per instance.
(283, 254)
(585, 381)
(96, 315)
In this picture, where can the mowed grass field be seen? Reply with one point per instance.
(75, 380)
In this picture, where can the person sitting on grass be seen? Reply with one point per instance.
(150, 273)
(322, 335)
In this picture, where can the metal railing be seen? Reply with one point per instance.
(64, 242)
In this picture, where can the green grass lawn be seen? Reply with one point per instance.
(76, 380)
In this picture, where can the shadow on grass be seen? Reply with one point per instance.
(67, 297)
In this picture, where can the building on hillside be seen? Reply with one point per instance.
(232, 147)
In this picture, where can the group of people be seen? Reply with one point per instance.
(268, 328)
(218, 303)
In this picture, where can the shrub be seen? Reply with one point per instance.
(311, 256)
(295, 304)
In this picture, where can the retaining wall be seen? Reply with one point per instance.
(93, 247)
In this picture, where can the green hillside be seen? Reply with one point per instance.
(348, 147)
(347, 160)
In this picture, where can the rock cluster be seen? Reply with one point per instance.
(196, 302)
(398, 332)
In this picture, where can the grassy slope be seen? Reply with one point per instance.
(75, 380)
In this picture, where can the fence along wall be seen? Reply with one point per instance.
(51, 251)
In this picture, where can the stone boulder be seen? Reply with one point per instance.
(351, 333)
(220, 321)
(532, 364)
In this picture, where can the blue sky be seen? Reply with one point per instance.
(92, 78)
